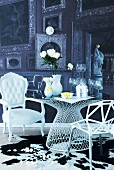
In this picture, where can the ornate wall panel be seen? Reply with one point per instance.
(41, 40)
(50, 5)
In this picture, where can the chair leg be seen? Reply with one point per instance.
(90, 151)
(42, 126)
(10, 131)
(100, 142)
(23, 127)
(4, 128)
(69, 144)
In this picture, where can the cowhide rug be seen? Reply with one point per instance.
(32, 153)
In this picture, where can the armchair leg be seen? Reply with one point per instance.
(4, 128)
(100, 141)
(23, 127)
(42, 126)
(10, 131)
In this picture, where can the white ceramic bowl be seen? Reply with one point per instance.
(66, 95)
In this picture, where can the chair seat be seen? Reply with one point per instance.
(23, 116)
(96, 128)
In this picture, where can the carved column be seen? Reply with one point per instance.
(88, 58)
(78, 49)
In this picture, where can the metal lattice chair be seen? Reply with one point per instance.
(13, 88)
(83, 130)
(35, 85)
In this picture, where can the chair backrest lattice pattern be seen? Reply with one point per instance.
(92, 124)
(13, 88)
(105, 109)
(79, 141)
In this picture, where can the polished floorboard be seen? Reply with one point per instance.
(18, 131)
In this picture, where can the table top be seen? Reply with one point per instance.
(74, 99)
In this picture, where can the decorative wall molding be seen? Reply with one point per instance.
(98, 22)
(35, 125)
(13, 62)
(92, 12)
(53, 20)
(31, 63)
(93, 19)
(50, 5)
(2, 63)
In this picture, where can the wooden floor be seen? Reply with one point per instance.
(18, 131)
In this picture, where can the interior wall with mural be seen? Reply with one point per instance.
(21, 21)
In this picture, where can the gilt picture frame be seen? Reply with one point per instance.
(13, 62)
(29, 16)
(50, 5)
(54, 21)
(31, 63)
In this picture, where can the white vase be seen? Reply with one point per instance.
(56, 85)
(48, 91)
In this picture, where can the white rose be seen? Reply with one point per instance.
(51, 52)
(51, 79)
(43, 54)
(48, 79)
(70, 66)
(57, 55)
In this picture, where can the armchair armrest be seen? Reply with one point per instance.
(6, 106)
(38, 101)
(33, 99)
(4, 102)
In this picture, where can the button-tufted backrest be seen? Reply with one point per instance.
(13, 88)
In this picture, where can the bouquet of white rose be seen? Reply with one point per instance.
(48, 79)
(50, 57)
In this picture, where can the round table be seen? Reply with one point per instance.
(68, 111)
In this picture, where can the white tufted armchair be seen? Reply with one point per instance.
(13, 88)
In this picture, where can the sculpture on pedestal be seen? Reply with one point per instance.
(98, 62)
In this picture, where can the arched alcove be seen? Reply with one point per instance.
(44, 42)
(51, 45)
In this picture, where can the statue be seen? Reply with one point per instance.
(98, 61)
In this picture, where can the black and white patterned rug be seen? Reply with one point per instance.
(32, 150)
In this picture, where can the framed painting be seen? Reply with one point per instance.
(31, 63)
(18, 25)
(54, 21)
(2, 64)
(49, 5)
(13, 62)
